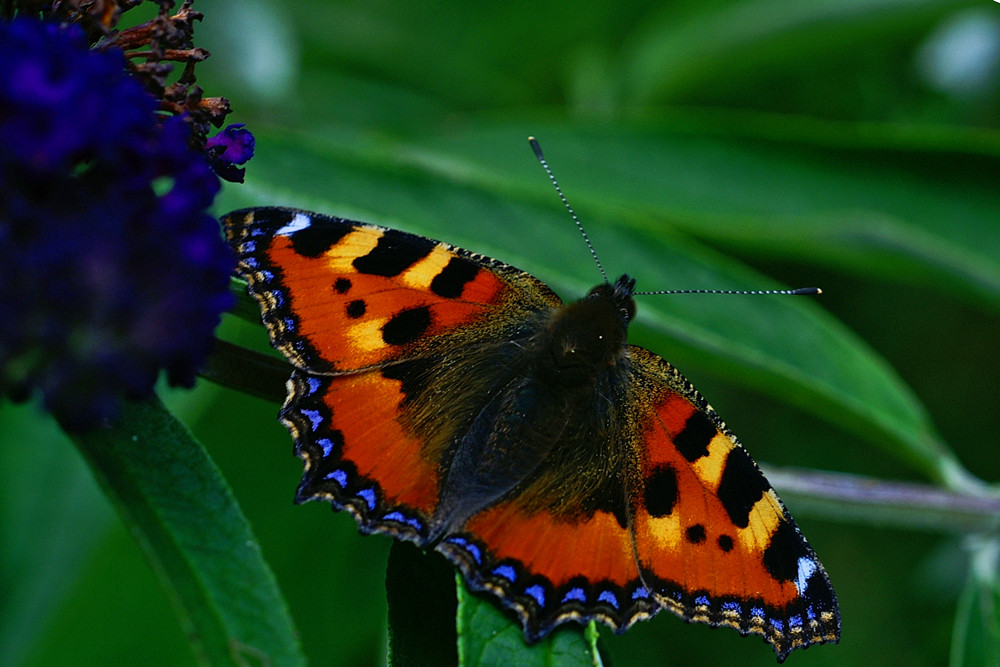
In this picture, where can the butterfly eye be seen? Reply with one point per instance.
(597, 290)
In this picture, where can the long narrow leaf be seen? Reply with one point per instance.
(787, 347)
(176, 504)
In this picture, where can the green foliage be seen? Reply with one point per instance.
(729, 145)
(181, 512)
(487, 637)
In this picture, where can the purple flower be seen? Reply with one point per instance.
(112, 269)
(54, 112)
(233, 146)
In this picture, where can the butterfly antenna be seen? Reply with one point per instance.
(795, 292)
(579, 225)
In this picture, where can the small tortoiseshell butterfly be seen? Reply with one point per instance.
(452, 400)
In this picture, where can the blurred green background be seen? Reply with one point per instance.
(711, 144)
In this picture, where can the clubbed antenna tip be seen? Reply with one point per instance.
(535, 147)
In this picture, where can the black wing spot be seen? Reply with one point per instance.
(407, 326)
(450, 282)
(725, 543)
(781, 558)
(661, 493)
(342, 285)
(356, 308)
(394, 253)
(413, 376)
(695, 534)
(317, 238)
(692, 441)
(741, 487)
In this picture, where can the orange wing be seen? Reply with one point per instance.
(339, 295)
(713, 542)
(549, 570)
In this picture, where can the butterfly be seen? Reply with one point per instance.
(449, 399)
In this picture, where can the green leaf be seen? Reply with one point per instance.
(453, 189)
(796, 195)
(427, 627)
(676, 50)
(176, 504)
(976, 639)
(487, 637)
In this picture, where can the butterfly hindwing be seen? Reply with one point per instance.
(335, 420)
(550, 570)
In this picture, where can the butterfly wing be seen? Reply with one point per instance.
(376, 321)
(550, 569)
(696, 529)
(339, 295)
(398, 342)
(712, 540)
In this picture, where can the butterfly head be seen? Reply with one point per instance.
(620, 293)
(586, 338)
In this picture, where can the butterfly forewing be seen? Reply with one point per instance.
(339, 295)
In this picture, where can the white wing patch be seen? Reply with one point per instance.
(298, 222)
(806, 568)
